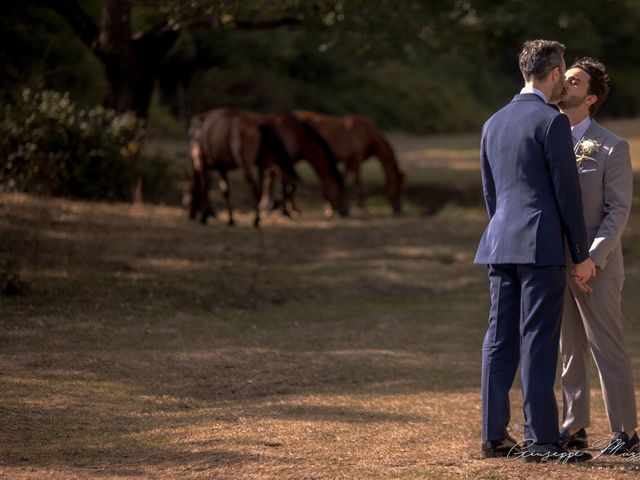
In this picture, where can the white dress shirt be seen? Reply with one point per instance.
(530, 89)
(579, 129)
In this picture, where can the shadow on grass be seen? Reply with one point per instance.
(433, 198)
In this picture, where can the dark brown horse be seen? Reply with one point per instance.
(304, 143)
(353, 139)
(224, 140)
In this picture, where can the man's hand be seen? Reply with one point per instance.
(582, 273)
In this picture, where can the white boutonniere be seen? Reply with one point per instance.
(586, 149)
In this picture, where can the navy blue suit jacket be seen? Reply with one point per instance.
(531, 187)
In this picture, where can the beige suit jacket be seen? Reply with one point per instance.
(606, 183)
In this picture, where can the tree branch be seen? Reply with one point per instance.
(266, 25)
(213, 21)
(81, 23)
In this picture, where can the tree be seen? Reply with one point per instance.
(132, 59)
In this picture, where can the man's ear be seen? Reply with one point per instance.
(591, 99)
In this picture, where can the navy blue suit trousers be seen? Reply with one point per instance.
(524, 329)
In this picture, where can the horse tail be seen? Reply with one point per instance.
(270, 143)
(194, 125)
(197, 167)
(332, 161)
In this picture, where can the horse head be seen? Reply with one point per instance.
(321, 156)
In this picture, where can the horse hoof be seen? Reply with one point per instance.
(293, 214)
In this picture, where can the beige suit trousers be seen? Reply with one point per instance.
(592, 322)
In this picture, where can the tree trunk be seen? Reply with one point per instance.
(132, 65)
(131, 62)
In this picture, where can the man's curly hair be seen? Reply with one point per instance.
(598, 80)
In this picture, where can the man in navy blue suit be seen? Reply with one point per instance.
(532, 193)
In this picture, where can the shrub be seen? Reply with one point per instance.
(49, 145)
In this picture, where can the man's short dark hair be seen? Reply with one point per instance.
(538, 57)
(598, 80)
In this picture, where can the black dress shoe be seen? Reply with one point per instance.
(577, 441)
(552, 452)
(500, 448)
(622, 444)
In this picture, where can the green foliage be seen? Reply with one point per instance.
(284, 70)
(410, 64)
(50, 145)
(45, 54)
(244, 89)
(162, 123)
(160, 178)
(416, 100)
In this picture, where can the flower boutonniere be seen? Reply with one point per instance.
(586, 149)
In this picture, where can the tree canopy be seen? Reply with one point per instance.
(441, 65)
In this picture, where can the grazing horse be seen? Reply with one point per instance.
(232, 138)
(224, 140)
(303, 142)
(353, 139)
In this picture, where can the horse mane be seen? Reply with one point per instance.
(326, 150)
(270, 143)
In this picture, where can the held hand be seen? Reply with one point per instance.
(585, 270)
(582, 273)
(582, 285)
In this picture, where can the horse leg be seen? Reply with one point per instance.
(357, 185)
(289, 207)
(194, 203)
(223, 184)
(266, 202)
(205, 207)
(257, 193)
(256, 189)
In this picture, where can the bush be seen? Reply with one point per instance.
(248, 89)
(417, 100)
(49, 145)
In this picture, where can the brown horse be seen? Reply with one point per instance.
(224, 140)
(353, 139)
(303, 142)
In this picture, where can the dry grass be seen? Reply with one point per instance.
(146, 346)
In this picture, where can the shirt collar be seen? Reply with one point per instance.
(531, 89)
(579, 129)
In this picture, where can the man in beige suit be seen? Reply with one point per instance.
(592, 320)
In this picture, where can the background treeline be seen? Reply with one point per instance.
(437, 66)
(422, 67)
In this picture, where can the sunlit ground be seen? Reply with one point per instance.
(142, 345)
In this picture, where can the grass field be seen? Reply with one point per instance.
(142, 345)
